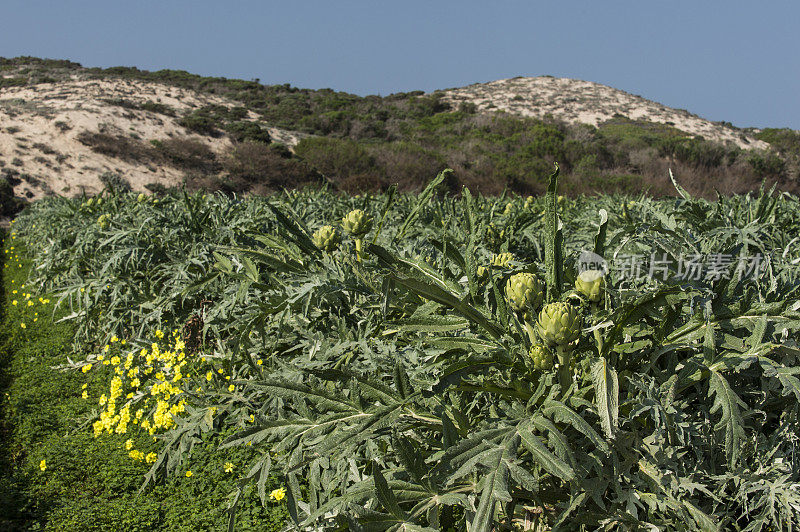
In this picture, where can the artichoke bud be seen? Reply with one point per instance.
(529, 202)
(542, 358)
(141, 198)
(357, 223)
(326, 238)
(102, 221)
(561, 200)
(559, 324)
(509, 209)
(524, 291)
(590, 284)
(501, 260)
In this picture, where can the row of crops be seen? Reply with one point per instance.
(427, 362)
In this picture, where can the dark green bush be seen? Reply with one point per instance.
(13, 82)
(115, 182)
(767, 164)
(782, 139)
(201, 124)
(255, 166)
(241, 131)
(336, 158)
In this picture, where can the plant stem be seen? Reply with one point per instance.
(564, 373)
(358, 249)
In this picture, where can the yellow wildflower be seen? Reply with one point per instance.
(278, 494)
(43, 465)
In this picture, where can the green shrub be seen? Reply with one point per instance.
(13, 82)
(336, 158)
(767, 164)
(200, 123)
(254, 164)
(115, 182)
(241, 131)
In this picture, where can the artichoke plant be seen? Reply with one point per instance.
(501, 260)
(542, 357)
(103, 220)
(559, 325)
(591, 284)
(529, 203)
(524, 293)
(357, 223)
(326, 238)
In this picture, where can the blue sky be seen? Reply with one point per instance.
(724, 60)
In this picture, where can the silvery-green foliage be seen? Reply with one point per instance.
(397, 393)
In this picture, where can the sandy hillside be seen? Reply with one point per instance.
(574, 100)
(40, 127)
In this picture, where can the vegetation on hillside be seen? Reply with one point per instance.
(368, 143)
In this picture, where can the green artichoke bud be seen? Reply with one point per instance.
(561, 200)
(559, 324)
(326, 238)
(102, 221)
(141, 198)
(524, 292)
(590, 284)
(501, 260)
(509, 208)
(357, 223)
(99, 201)
(89, 202)
(529, 202)
(542, 358)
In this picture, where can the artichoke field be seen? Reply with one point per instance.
(427, 362)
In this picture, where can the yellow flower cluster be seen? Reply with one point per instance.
(145, 389)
